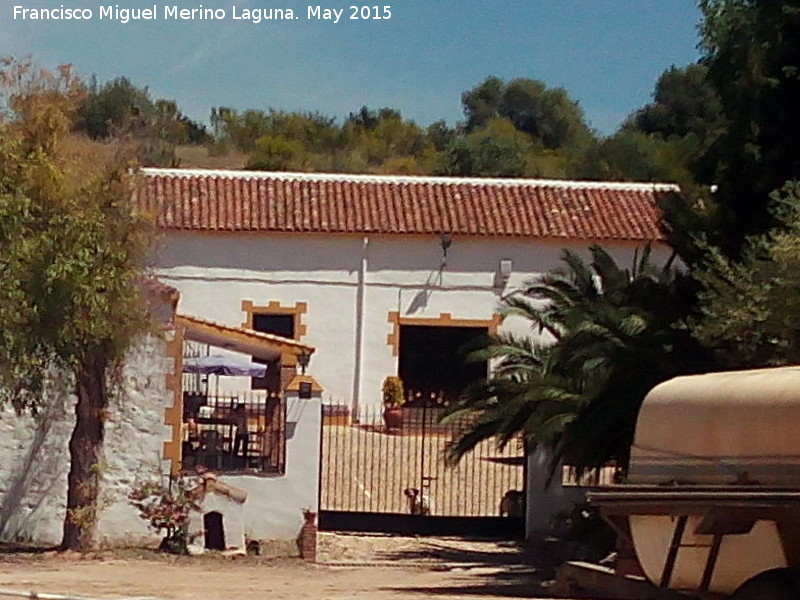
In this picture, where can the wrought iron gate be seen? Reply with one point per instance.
(366, 469)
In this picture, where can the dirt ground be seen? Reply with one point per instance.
(380, 567)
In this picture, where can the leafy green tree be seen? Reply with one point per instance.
(317, 133)
(440, 135)
(750, 307)
(72, 249)
(548, 116)
(114, 106)
(481, 103)
(498, 150)
(752, 51)
(118, 108)
(684, 103)
(276, 153)
(613, 334)
(367, 119)
(384, 136)
(631, 155)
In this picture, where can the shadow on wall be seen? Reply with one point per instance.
(420, 300)
(37, 470)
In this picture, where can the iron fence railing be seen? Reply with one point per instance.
(369, 467)
(245, 431)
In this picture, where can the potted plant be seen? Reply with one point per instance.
(393, 399)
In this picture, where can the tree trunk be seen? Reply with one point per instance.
(86, 454)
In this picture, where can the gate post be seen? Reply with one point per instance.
(304, 449)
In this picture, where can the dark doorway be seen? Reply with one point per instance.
(433, 360)
(214, 531)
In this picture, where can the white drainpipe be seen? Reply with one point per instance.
(360, 319)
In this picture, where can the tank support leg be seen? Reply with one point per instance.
(672, 555)
(711, 562)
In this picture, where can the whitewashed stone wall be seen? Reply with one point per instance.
(34, 454)
(34, 462)
(135, 434)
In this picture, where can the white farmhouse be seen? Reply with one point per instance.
(368, 276)
(383, 275)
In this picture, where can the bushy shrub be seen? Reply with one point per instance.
(166, 505)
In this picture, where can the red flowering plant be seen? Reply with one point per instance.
(166, 506)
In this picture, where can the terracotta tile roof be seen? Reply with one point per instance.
(199, 200)
(155, 287)
(247, 341)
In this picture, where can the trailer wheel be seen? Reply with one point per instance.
(776, 584)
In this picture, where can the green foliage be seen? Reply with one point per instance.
(723, 122)
(615, 334)
(167, 506)
(378, 141)
(669, 139)
(750, 307)
(498, 150)
(520, 129)
(548, 116)
(636, 156)
(684, 103)
(115, 105)
(276, 153)
(393, 395)
(72, 245)
(752, 51)
(119, 108)
(440, 135)
(72, 253)
(482, 102)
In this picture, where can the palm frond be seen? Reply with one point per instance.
(614, 337)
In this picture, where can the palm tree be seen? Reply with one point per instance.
(614, 334)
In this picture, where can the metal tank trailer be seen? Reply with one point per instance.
(712, 503)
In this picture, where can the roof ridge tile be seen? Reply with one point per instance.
(201, 200)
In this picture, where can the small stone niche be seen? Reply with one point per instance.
(219, 525)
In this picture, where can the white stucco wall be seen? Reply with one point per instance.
(34, 454)
(545, 502)
(274, 506)
(350, 280)
(345, 280)
(215, 272)
(34, 462)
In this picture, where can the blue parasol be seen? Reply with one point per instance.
(217, 364)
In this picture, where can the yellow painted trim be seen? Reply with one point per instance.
(173, 415)
(274, 307)
(443, 320)
(294, 384)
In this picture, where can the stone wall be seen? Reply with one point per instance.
(34, 454)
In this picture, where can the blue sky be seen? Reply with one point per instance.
(606, 53)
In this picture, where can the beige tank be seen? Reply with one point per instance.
(706, 442)
(739, 427)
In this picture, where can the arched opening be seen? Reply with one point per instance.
(214, 531)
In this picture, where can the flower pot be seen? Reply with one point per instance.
(393, 418)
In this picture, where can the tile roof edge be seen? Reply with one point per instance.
(411, 179)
